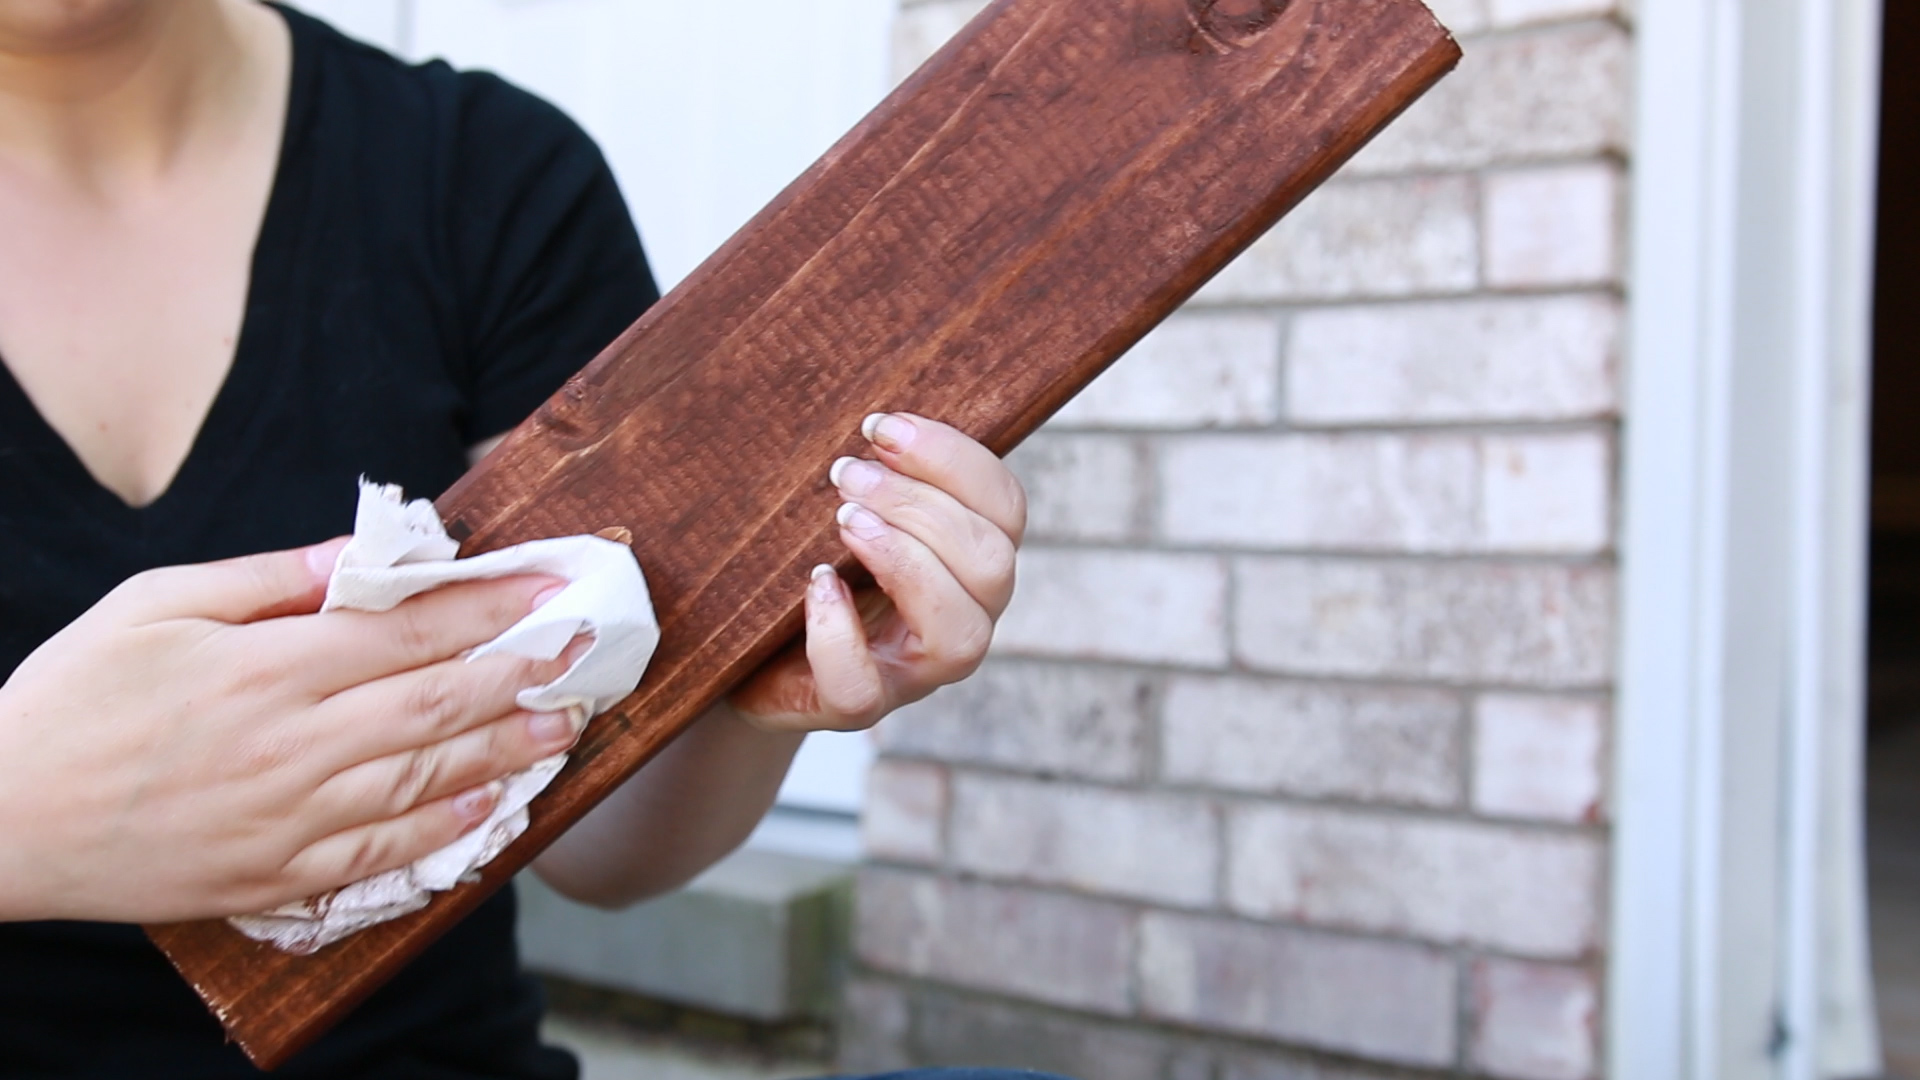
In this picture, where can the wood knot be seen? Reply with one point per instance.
(1232, 24)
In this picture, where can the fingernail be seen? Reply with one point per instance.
(553, 728)
(540, 598)
(321, 558)
(855, 477)
(578, 647)
(825, 584)
(887, 431)
(478, 803)
(857, 520)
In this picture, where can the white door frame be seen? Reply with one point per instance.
(1737, 944)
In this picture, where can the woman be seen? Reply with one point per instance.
(244, 260)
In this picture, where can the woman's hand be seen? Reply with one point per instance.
(936, 520)
(201, 743)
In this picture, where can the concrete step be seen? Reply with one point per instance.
(610, 1052)
(761, 936)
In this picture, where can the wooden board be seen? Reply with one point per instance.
(1050, 186)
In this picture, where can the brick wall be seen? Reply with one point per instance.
(1291, 759)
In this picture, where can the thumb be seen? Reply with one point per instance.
(242, 590)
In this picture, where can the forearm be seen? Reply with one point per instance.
(679, 815)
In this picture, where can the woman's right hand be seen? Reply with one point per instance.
(203, 743)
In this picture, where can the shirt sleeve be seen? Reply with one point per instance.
(546, 259)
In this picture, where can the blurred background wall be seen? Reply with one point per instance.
(1292, 753)
(1298, 756)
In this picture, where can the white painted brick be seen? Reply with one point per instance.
(1197, 369)
(1497, 359)
(1117, 605)
(1534, 1021)
(875, 1026)
(1546, 493)
(1046, 947)
(1558, 92)
(1371, 492)
(1266, 737)
(1521, 891)
(1522, 12)
(905, 811)
(920, 30)
(1518, 624)
(965, 1030)
(1143, 846)
(1081, 487)
(1354, 492)
(1377, 999)
(1032, 716)
(1539, 757)
(384, 23)
(1296, 1066)
(1372, 238)
(1350, 492)
(1461, 16)
(1553, 227)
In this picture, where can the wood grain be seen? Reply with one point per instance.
(1050, 186)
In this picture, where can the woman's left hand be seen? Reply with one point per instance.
(936, 520)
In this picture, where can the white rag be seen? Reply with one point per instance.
(400, 549)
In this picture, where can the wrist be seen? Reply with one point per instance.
(23, 872)
(731, 724)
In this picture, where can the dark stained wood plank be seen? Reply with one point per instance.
(1050, 186)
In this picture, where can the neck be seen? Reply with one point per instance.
(118, 101)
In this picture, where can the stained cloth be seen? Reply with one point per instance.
(401, 549)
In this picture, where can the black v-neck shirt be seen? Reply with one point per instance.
(440, 252)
